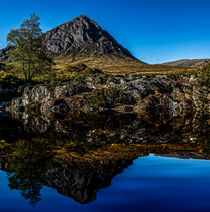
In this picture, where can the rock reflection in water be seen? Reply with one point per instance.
(79, 157)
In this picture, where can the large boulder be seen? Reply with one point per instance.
(68, 90)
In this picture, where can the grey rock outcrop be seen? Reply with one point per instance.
(82, 37)
(150, 97)
(4, 54)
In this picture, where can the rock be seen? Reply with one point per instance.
(60, 108)
(4, 54)
(151, 97)
(38, 94)
(156, 107)
(126, 109)
(69, 90)
(82, 37)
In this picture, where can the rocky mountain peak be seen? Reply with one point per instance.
(81, 21)
(82, 37)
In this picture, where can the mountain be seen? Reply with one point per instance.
(195, 63)
(83, 37)
(82, 40)
(3, 54)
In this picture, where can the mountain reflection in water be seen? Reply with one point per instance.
(78, 158)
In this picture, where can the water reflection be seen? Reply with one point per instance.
(79, 157)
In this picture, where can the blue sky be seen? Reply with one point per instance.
(154, 31)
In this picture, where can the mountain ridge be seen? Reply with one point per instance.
(184, 63)
(82, 40)
(83, 37)
(80, 37)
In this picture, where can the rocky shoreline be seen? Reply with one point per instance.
(154, 97)
(78, 135)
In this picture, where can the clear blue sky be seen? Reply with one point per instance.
(153, 30)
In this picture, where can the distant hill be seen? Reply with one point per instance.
(197, 63)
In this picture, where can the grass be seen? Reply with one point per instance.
(51, 79)
(66, 70)
(113, 65)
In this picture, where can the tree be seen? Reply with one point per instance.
(28, 51)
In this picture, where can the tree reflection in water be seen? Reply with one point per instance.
(29, 188)
(77, 158)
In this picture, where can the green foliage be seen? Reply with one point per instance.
(75, 74)
(83, 69)
(80, 71)
(52, 85)
(27, 52)
(203, 77)
(8, 68)
(176, 76)
(107, 97)
(51, 81)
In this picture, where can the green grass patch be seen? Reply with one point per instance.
(106, 97)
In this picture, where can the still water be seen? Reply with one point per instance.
(121, 165)
(152, 183)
